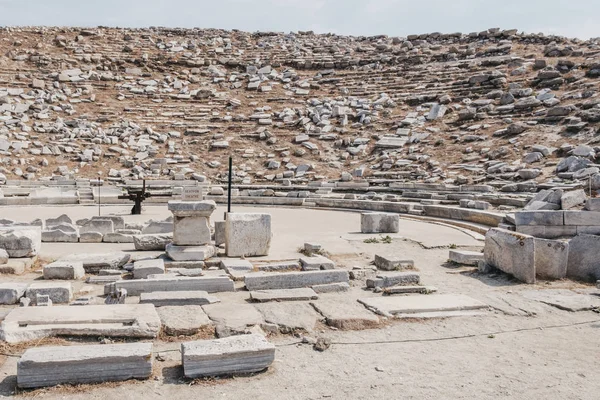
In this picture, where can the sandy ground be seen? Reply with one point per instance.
(519, 349)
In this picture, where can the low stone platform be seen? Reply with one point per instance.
(227, 356)
(346, 314)
(397, 305)
(263, 296)
(182, 298)
(49, 366)
(291, 280)
(172, 284)
(118, 320)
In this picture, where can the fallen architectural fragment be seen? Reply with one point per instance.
(172, 284)
(379, 223)
(177, 298)
(247, 234)
(227, 356)
(50, 366)
(120, 320)
(291, 280)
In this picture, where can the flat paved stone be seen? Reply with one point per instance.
(233, 355)
(392, 305)
(49, 366)
(291, 280)
(262, 296)
(143, 268)
(117, 320)
(183, 320)
(233, 317)
(289, 316)
(465, 257)
(92, 263)
(316, 263)
(183, 298)
(345, 313)
(563, 298)
(209, 284)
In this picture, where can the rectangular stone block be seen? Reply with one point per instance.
(511, 252)
(548, 232)
(387, 263)
(395, 305)
(59, 292)
(586, 218)
(262, 296)
(345, 314)
(219, 233)
(315, 263)
(247, 234)
(21, 241)
(190, 253)
(385, 280)
(291, 280)
(152, 242)
(240, 354)
(593, 204)
(118, 222)
(102, 226)
(583, 261)
(173, 284)
(551, 258)
(181, 298)
(379, 223)
(465, 257)
(116, 320)
(191, 231)
(143, 268)
(66, 270)
(92, 263)
(540, 217)
(10, 292)
(192, 208)
(50, 366)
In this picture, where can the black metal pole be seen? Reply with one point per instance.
(229, 184)
(99, 196)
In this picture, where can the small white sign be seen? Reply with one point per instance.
(191, 194)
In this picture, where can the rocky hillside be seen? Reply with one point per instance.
(497, 106)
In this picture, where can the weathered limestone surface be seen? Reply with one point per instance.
(283, 295)
(511, 252)
(180, 298)
(192, 208)
(291, 280)
(190, 253)
(379, 223)
(21, 241)
(49, 366)
(143, 268)
(92, 263)
(103, 226)
(247, 234)
(153, 241)
(387, 263)
(118, 320)
(316, 263)
(64, 270)
(345, 313)
(393, 305)
(10, 292)
(388, 279)
(331, 288)
(173, 284)
(219, 233)
(191, 231)
(226, 356)
(289, 316)
(183, 319)
(563, 299)
(59, 292)
(233, 318)
(551, 257)
(465, 257)
(583, 261)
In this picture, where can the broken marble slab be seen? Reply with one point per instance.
(412, 305)
(209, 284)
(291, 280)
(183, 319)
(11, 292)
(92, 263)
(465, 257)
(227, 356)
(152, 241)
(55, 365)
(180, 298)
(143, 268)
(388, 263)
(116, 320)
(298, 294)
(233, 319)
(563, 299)
(21, 241)
(316, 263)
(65, 270)
(58, 292)
(289, 316)
(344, 313)
(387, 279)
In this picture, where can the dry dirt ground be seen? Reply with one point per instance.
(519, 349)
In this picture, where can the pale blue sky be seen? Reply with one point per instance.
(574, 18)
